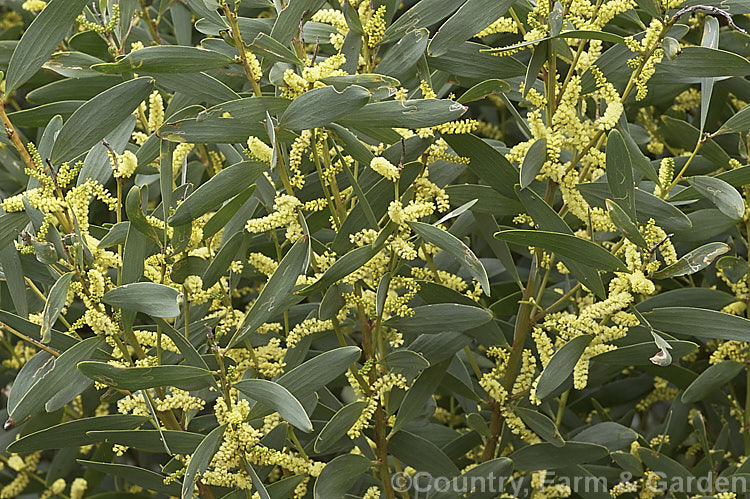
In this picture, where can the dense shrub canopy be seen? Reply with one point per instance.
(430, 248)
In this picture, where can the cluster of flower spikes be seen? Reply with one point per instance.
(607, 320)
(240, 446)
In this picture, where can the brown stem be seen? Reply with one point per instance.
(13, 136)
(237, 37)
(519, 338)
(150, 22)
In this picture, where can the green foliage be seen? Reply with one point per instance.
(431, 248)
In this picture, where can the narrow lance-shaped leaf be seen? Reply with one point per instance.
(566, 245)
(98, 117)
(561, 365)
(693, 262)
(486, 162)
(54, 305)
(341, 268)
(417, 113)
(278, 398)
(547, 219)
(226, 184)
(624, 224)
(456, 248)
(438, 317)
(711, 40)
(166, 59)
(312, 375)
(40, 40)
(541, 425)
(484, 89)
(404, 55)
(139, 378)
(29, 375)
(710, 380)
(533, 162)
(337, 427)
(61, 384)
(620, 173)
(703, 323)
(74, 433)
(201, 459)
(10, 225)
(149, 298)
(278, 288)
(471, 18)
(138, 221)
(289, 19)
(722, 194)
(321, 106)
(144, 477)
(340, 475)
(740, 122)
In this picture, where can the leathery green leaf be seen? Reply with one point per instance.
(344, 266)
(541, 425)
(201, 459)
(439, 317)
(312, 375)
(276, 397)
(166, 59)
(486, 162)
(620, 173)
(339, 424)
(456, 248)
(89, 125)
(54, 305)
(145, 478)
(417, 113)
(418, 394)
(73, 433)
(57, 379)
(321, 106)
(710, 380)
(339, 476)
(484, 89)
(183, 442)
(471, 18)
(546, 456)
(139, 378)
(40, 40)
(566, 245)
(278, 288)
(693, 262)
(703, 323)
(403, 56)
(226, 184)
(149, 298)
(724, 196)
(737, 123)
(625, 224)
(533, 162)
(547, 219)
(561, 365)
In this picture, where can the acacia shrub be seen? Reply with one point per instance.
(374, 249)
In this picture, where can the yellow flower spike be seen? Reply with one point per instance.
(375, 27)
(254, 65)
(259, 150)
(385, 168)
(155, 111)
(34, 5)
(78, 488)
